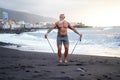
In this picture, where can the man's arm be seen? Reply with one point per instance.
(73, 29)
(53, 26)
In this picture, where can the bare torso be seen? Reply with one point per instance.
(62, 28)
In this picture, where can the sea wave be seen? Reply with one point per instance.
(107, 28)
(94, 41)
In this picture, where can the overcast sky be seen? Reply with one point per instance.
(90, 12)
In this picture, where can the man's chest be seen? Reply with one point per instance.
(63, 25)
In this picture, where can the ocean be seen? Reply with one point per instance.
(95, 41)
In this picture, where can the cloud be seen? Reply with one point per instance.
(75, 10)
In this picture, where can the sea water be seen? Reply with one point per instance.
(95, 41)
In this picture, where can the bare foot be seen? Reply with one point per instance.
(65, 61)
(60, 60)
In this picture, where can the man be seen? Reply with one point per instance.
(62, 37)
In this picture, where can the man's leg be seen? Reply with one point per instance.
(59, 53)
(66, 46)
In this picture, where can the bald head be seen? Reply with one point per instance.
(62, 16)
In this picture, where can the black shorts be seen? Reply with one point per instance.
(62, 39)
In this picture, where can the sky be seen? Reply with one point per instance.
(89, 12)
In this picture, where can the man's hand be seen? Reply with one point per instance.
(80, 37)
(46, 35)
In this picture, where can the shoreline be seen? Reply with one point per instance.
(17, 47)
(26, 65)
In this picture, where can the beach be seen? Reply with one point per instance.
(26, 65)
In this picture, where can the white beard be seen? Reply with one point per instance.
(61, 21)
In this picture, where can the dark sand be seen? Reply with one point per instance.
(21, 65)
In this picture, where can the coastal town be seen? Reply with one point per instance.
(17, 26)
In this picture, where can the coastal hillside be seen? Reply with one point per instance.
(27, 17)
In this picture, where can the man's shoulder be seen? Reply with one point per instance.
(56, 23)
(66, 22)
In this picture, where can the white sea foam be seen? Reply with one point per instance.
(107, 28)
(93, 42)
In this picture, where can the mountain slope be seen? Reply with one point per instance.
(27, 17)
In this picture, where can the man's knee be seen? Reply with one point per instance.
(59, 48)
(66, 48)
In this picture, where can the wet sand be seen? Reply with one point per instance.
(22, 65)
